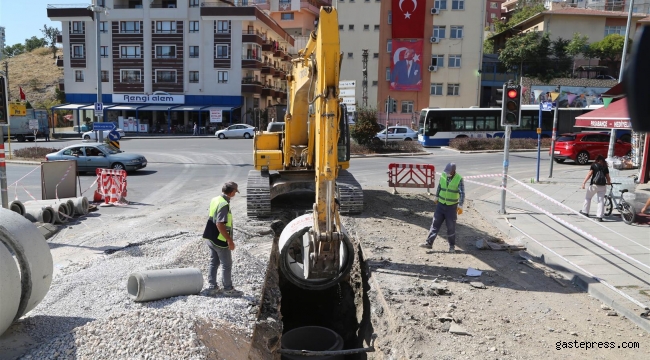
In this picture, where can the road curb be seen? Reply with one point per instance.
(489, 151)
(390, 155)
(584, 282)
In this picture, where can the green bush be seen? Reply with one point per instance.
(408, 147)
(37, 153)
(495, 144)
(365, 128)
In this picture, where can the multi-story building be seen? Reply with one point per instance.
(358, 33)
(640, 6)
(2, 41)
(493, 13)
(170, 63)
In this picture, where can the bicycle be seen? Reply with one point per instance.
(624, 208)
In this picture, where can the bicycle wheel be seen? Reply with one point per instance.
(627, 213)
(608, 206)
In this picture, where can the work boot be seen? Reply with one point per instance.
(583, 214)
(426, 245)
(232, 293)
(213, 290)
(452, 249)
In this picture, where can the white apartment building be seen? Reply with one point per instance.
(358, 30)
(170, 63)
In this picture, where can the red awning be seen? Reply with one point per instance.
(615, 116)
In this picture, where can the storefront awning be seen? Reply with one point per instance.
(155, 107)
(69, 106)
(123, 107)
(615, 116)
(188, 108)
(217, 108)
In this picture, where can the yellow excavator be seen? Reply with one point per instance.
(312, 153)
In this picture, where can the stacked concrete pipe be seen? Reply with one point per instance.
(159, 284)
(17, 207)
(25, 279)
(39, 213)
(62, 210)
(77, 205)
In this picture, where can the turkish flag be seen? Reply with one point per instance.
(22, 94)
(406, 65)
(408, 19)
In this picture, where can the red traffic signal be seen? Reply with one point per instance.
(512, 94)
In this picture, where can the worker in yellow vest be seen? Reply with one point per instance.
(449, 199)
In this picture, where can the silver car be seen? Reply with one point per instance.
(397, 133)
(90, 135)
(236, 131)
(99, 156)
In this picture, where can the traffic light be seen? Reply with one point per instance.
(511, 110)
(499, 100)
(4, 105)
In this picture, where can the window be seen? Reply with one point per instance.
(194, 76)
(223, 26)
(79, 76)
(456, 32)
(374, 83)
(194, 3)
(438, 60)
(165, 52)
(103, 51)
(366, 27)
(394, 107)
(77, 27)
(194, 51)
(194, 26)
(165, 76)
(105, 76)
(493, 16)
(614, 30)
(407, 106)
(436, 89)
(453, 89)
(376, 27)
(375, 55)
(439, 32)
(222, 77)
(494, 5)
(454, 61)
(130, 76)
(390, 17)
(103, 26)
(78, 51)
(251, 51)
(351, 27)
(389, 45)
(340, 27)
(440, 4)
(350, 55)
(165, 27)
(286, 16)
(388, 74)
(222, 51)
(129, 52)
(129, 26)
(458, 4)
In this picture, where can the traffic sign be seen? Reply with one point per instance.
(33, 124)
(99, 109)
(114, 136)
(103, 126)
(547, 106)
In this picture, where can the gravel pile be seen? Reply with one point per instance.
(96, 290)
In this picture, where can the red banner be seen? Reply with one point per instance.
(406, 65)
(606, 124)
(408, 19)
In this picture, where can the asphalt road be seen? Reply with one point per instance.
(177, 166)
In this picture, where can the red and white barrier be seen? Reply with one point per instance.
(411, 176)
(111, 186)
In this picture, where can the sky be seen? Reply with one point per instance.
(25, 18)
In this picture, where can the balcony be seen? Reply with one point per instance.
(169, 4)
(267, 69)
(253, 36)
(61, 85)
(59, 61)
(64, 12)
(267, 46)
(237, 3)
(312, 6)
(250, 86)
(127, 4)
(277, 73)
(268, 91)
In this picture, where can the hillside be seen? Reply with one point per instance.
(36, 72)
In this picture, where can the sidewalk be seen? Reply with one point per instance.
(580, 241)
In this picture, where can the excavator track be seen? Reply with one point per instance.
(350, 193)
(258, 194)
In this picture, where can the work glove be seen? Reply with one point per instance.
(459, 210)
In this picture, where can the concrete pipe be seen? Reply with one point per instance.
(17, 207)
(81, 205)
(10, 285)
(312, 338)
(60, 213)
(71, 207)
(39, 213)
(55, 204)
(33, 257)
(159, 284)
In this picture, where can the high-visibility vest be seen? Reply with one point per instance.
(216, 205)
(449, 194)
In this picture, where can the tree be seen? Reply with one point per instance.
(51, 33)
(34, 43)
(609, 49)
(534, 54)
(366, 127)
(519, 49)
(14, 50)
(579, 44)
(488, 46)
(525, 11)
(562, 60)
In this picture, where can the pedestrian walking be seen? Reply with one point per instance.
(599, 177)
(196, 129)
(218, 236)
(47, 134)
(450, 196)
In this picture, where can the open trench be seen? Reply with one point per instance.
(343, 308)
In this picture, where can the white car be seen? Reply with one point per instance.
(397, 133)
(90, 135)
(236, 131)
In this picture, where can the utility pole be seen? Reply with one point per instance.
(364, 84)
(95, 8)
(388, 109)
(553, 137)
(6, 64)
(4, 120)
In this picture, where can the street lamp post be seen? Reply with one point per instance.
(97, 10)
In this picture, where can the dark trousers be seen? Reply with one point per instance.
(220, 256)
(448, 215)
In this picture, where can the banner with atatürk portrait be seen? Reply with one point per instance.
(406, 65)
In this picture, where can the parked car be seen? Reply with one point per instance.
(90, 135)
(582, 147)
(99, 156)
(236, 131)
(605, 77)
(397, 133)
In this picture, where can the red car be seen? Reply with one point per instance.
(582, 147)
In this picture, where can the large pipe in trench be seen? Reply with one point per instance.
(159, 284)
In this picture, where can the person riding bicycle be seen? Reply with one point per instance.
(599, 175)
